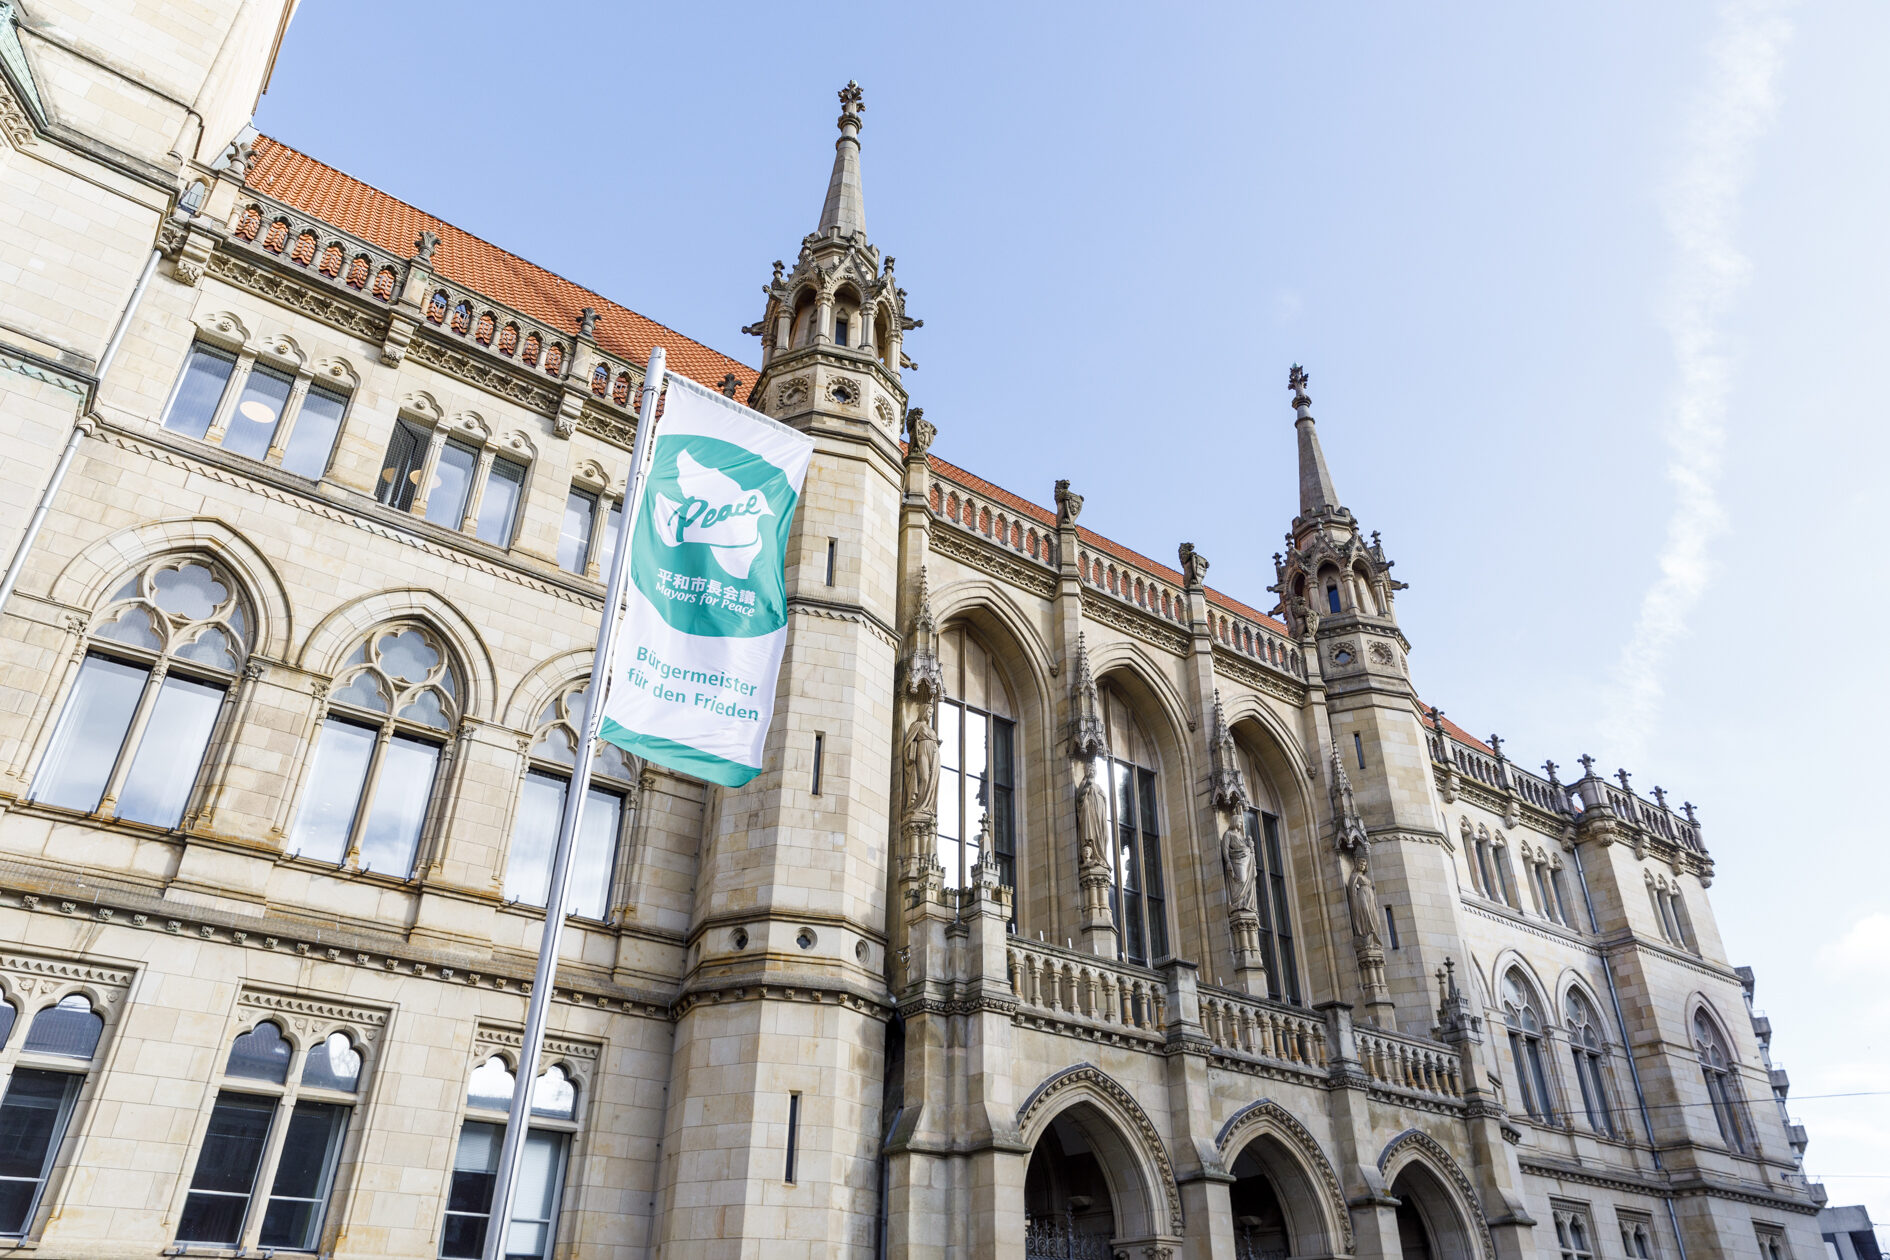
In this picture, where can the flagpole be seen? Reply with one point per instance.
(504, 1190)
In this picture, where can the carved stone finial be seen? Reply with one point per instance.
(1686, 807)
(852, 100)
(424, 246)
(1496, 746)
(1087, 739)
(587, 322)
(920, 432)
(729, 384)
(1194, 566)
(1660, 795)
(1623, 776)
(925, 678)
(1297, 380)
(1588, 765)
(1226, 783)
(241, 155)
(1351, 828)
(889, 264)
(1549, 766)
(779, 269)
(1069, 503)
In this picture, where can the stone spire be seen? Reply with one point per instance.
(1316, 493)
(845, 211)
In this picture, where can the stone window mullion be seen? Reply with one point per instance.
(236, 710)
(285, 427)
(108, 803)
(594, 546)
(272, 1150)
(476, 493)
(351, 860)
(428, 467)
(226, 406)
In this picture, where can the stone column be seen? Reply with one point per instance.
(1199, 1172)
(1373, 1209)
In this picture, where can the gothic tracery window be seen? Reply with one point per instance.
(1137, 890)
(162, 658)
(977, 762)
(1722, 1083)
(1522, 1016)
(547, 784)
(378, 752)
(1273, 890)
(1589, 1051)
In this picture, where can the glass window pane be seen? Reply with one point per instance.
(452, 482)
(534, 834)
(32, 1121)
(554, 1095)
(91, 730)
(400, 471)
(499, 505)
(399, 808)
(607, 545)
(596, 857)
(132, 626)
(253, 422)
(304, 1173)
(313, 440)
(70, 1028)
(261, 1054)
(226, 1169)
(491, 1085)
(469, 1199)
(574, 539)
(948, 719)
(170, 752)
(950, 790)
(206, 374)
(332, 1063)
(535, 1207)
(7, 1015)
(334, 790)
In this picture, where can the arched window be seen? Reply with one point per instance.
(1504, 888)
(1332, 595)
(163, 657)
(1722, 1083)
(246, 1147)
(1129, 773)
(1272, 894)
(977, 762)
(534, 1224)
(1523, 1017)
(541, 810)
(48, 1074)
(378, 753)
(1589, 1049)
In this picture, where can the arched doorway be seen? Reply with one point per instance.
(1261, 1229)
(1429, 1225)
(1069, 1213)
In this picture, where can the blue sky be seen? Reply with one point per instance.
(1595, 301)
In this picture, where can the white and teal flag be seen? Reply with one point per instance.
(698, 652)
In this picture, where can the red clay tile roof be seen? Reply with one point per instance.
(1044, 516)
(297, 180)
(315, 188)
(1456, 732)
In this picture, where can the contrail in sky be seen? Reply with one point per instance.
(1730, 111)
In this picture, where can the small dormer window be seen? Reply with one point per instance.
(840, 331)
(1332, 596)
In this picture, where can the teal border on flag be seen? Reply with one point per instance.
(678, 756)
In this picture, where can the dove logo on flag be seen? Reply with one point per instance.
(715, 511)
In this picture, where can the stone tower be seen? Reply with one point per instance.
(774, 1125)
(1337, 592)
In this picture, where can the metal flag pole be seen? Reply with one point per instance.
(498, 1223)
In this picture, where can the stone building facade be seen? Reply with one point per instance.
(1081, 909)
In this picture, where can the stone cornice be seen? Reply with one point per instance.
(1099, 607)
(958, 545)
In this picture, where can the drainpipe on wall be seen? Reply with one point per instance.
(80, 428)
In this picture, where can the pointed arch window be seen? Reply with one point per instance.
(161, 662)
(554, 1121)
(1273, 901)
(541, 811)
(279, 1122)
(49, 1067)
(1524, 1020)
(1589, 1051)
(377, 756)
(1722, 1083)
(977, 763)
(1137, 892)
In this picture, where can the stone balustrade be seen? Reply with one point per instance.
(1243, 1025)
(1409, 1064)
(1064, 985)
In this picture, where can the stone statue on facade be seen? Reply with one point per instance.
(1237, 857)
(1361, 898)
(920, 752)
(1092, 821)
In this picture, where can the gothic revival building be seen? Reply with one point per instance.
(1081, 909)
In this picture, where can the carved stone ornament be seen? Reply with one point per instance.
(1382, 654)
(1092, 822)
(793, 392)
(1226, 782)
(920, 432)
(924, 678)
(919, 759)
(1237, 860)
(1087, 737)
(1069, 503)
(1361, 900)
(424, 246)
(1350, 828)
(1194, 566)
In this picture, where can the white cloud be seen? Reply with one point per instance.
(1732, 109)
